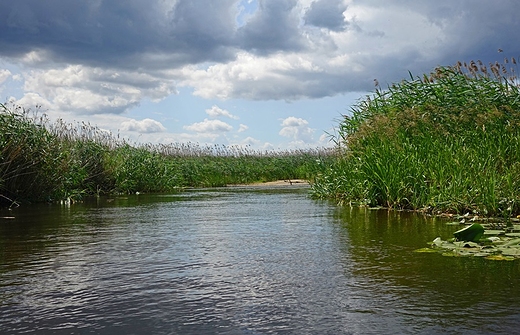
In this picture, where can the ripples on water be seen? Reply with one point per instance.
(241, 261)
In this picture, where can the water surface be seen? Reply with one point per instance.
(243, 260)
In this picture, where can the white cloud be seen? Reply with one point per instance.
(209, 126)
(292, 121)
(216, 112)
(298, 129)
(281, 76)
(78, 57)
(31, 100)
(339, 46)
(143, 126)
(242, 128)
(4, 75)
(250, 141)
(268, 146)
(83, 89)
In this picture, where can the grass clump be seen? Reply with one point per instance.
(444, 142)
(47, 161)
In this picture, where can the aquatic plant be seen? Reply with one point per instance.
(493, 241)
(444, 142)
(30, 159)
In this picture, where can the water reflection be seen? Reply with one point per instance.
(241, 261)
(432, 292)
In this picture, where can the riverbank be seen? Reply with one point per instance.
(42, 161)
(281, 183)
(446, 142)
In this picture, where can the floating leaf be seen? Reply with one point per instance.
(425, 250)
(492, 247)
(481, 254)
(513, 234)
(494, 232)
(438, 241)
(450, 246)
(515, 241)
(510, 251)
(472, 233)
(449, 254)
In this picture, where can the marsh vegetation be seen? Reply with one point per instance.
(42, 160)
(444, 142)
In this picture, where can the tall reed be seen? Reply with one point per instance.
(44, 161)
(444, 142)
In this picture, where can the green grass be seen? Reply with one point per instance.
(47, 161)
(444, 142)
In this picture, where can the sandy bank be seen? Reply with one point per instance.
(292, 182)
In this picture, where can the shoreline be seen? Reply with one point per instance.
(284, 183)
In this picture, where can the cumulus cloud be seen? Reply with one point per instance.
(107, 57)
(327, 14)
(146, 126)
(209, 126)
(281, 77)
(297, 129)
(31, 100)
(84, 89)
(119, 34)
(274, 27)
(242, 128)
(4, 75)
(250, 141)
(216, 112)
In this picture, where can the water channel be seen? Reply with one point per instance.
(241, 260)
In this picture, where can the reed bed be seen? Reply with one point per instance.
(48, 161)
(444, 142)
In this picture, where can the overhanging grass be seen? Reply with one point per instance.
(449, 141)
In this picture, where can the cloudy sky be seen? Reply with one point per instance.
(268, 73)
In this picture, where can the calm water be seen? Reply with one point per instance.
(241, 261)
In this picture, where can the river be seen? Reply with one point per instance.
(241, 260)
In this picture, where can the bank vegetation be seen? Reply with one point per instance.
(42, 160)
(448, 141)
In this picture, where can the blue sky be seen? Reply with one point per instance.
(272, 74)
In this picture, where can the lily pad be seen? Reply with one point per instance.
(494, 232)
(481, 254)
(515, 241)
(472, 233)
(449, 254)
(496, 245)
(510, 251)
(425, 250)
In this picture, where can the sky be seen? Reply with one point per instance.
(270, 74)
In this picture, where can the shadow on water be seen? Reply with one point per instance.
(241, 260)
